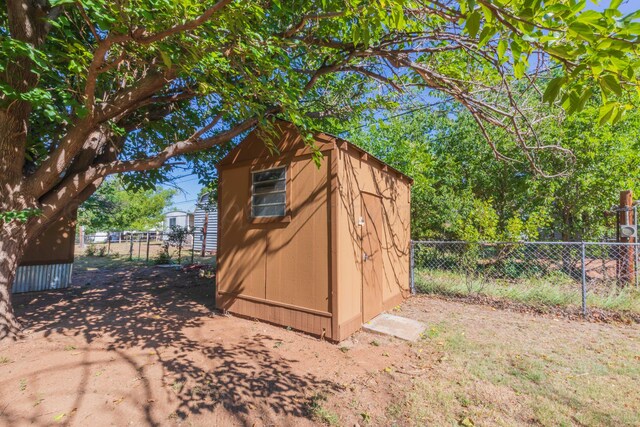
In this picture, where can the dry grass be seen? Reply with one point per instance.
(550, 291)
(499, 368)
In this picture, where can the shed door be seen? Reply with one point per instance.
(371, 256)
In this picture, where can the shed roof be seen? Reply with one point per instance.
(320, 137)
(380, 163)
(204, 200)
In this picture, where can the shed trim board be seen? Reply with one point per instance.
(279, 304)
(251, 250)
(333, 239)
(268, 312)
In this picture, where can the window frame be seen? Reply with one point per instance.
(285, 192)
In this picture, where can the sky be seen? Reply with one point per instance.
(187, 188)
(186, 183)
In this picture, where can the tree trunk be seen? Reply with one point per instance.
(12, 198)
(12, 243)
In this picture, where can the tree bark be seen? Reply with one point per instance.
(12, 243)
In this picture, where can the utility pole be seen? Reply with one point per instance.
(626, 267)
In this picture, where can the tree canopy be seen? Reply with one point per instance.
(461, 193)
(163, 79)
(113, 207)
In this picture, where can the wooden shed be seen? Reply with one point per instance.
(321, 249)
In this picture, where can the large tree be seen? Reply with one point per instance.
(92, 88)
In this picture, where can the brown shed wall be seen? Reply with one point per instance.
(276, 270)
(54, 246)
(359, 173)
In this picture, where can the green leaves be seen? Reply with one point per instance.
(320, 62)
(610, 83)
(612, 112)
(553, 89)
(116, 207)
(502, 49)
(460, 189)
(166, 59)
(472, 24)
(20, 216)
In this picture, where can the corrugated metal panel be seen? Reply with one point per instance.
(212, 227)
(31, 278)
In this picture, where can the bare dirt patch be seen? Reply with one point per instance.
(143, 346)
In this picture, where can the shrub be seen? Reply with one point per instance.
(163, 257)
(178, 237)
(90, 251)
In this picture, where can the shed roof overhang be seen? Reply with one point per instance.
(325, 138)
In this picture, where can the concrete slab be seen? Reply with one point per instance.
(396, 326)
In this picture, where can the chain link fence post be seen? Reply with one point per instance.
(147, 257)
(412, 283)
(584, 279)
(193, 243)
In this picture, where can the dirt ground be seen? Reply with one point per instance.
(142, 346)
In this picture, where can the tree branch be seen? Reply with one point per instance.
(187, 26)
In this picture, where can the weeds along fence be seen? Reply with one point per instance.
(136, 246)
(586, 274)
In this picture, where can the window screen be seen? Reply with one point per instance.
(172, 222)
(268, 193)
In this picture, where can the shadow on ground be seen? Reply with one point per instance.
(162, 325)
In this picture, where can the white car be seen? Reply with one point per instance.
(100, 237)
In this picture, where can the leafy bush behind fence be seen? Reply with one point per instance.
(601, 273)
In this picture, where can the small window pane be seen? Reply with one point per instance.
(268, 210)
(268, 187)
(268, 175)
(269, 199)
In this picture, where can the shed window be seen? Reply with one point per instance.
(268, 193)
(172, 222)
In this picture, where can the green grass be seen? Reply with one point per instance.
(554, 290)
(320, 413)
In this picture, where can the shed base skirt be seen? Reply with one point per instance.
(31, 278)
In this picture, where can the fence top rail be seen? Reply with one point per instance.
(442, 242)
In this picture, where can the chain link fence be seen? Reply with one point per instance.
(147, 246)
(597, 274)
